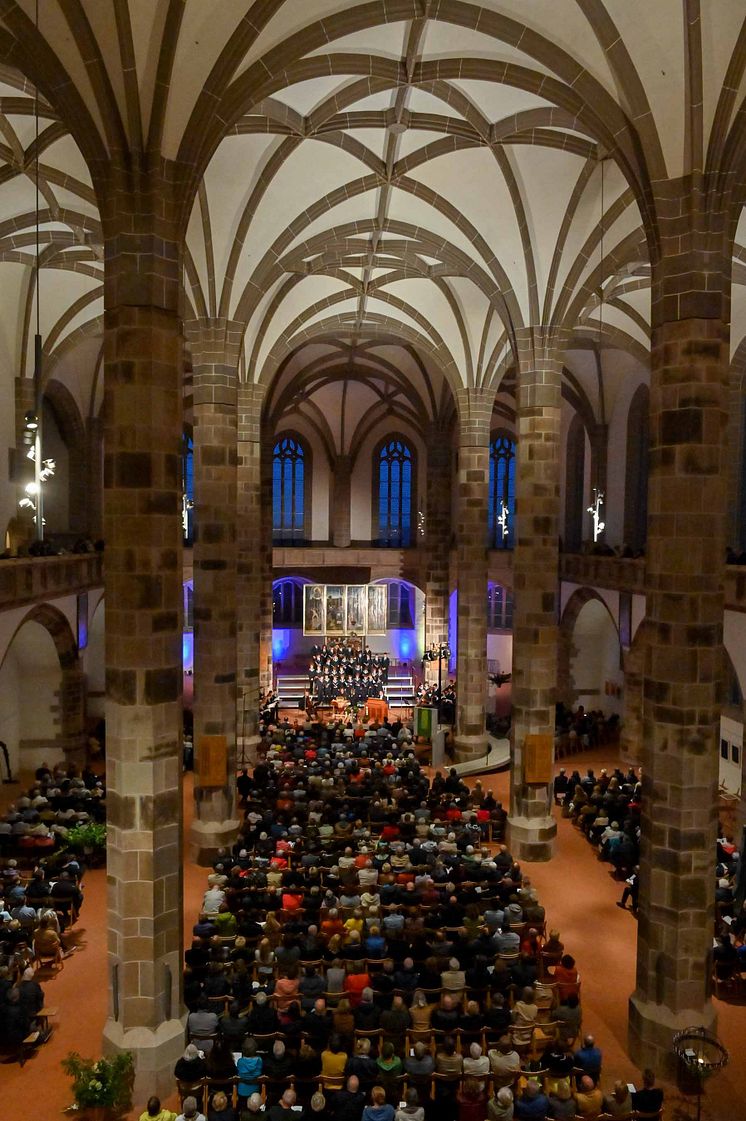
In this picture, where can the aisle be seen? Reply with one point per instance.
(79, 992)
(579, 895)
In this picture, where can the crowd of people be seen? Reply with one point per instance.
(37, 908)
(39, 821)
(366, 953)
(347, 669)
(582, 729)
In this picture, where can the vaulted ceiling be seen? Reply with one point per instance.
(384, 191)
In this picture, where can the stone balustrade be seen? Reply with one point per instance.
(35, 579)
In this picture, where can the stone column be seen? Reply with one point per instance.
(340, 509)
(250, 554)
(736, 532)
(473, 474)
(143, 582)
(437, 540)
(536, 585)
(630, 737)
(683, 655)
(265, 562)
(215, 346)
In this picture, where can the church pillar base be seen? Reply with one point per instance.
(532, 838)
(469, 748)
(652, 1028)
(154, 1053)
(206, 838)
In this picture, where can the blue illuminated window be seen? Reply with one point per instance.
(502, 490)
(395, 481)
(288, 491)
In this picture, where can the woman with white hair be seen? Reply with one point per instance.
(476, 1065)
(500, 1107)
(191, 1066)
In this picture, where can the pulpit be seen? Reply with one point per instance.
(377, 709)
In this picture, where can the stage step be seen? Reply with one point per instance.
(291, 689)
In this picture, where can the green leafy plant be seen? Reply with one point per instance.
(91, 835)
(101, 1082)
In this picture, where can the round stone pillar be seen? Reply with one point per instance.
(250, 565)
(215, 346)
(683, 668)
(143, 573)
(437, 540)
(266, 566)
(536, 593)
(473, 477)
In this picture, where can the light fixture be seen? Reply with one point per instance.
(502, 519)
(31, 421)
(595, 511)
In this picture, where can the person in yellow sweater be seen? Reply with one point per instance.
(153, 1112)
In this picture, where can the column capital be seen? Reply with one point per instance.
(142, 239)
(690, 260)
(474, 415)
(538, 345)
(214, 341)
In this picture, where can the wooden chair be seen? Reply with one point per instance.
(193, 1089)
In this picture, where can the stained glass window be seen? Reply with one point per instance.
(395, 470)
(288, 491)
(502, 491)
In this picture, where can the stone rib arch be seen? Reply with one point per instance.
(57, 626)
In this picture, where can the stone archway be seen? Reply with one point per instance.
(566, 648)
(59, 711)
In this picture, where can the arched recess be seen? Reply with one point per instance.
(574, 485)
(589, 670)
(65, 506)
(42, 691)
(291, 649)
(636, 475)
(404, 640)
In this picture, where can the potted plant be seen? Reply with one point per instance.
(89, 838)
(101, 1087)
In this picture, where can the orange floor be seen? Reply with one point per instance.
(577, 891)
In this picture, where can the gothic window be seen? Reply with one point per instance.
(401, 605)
(394, 472)
(502, 491)
(287, 604)
(289, 491)
(499, 608)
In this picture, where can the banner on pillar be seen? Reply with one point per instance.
(538, 748)
(212, 761)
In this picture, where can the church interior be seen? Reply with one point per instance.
(385, 357)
